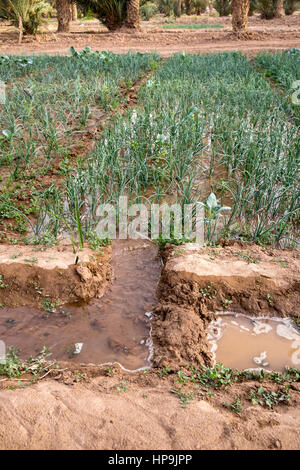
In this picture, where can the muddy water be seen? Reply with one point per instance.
(242, 342)
(111, 329)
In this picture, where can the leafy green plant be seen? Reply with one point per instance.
(148, 10)
(217, 377)
(14, 367)
(122, 387)
(164, 372)
(184, 397)
(2, 283)
(236, 406)
(213, 214)
(269, 399)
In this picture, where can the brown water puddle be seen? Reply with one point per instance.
(241, 342)
(107, 330)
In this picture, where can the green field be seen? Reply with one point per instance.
(72, 137)
(192, 26)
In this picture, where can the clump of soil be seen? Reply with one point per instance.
(198, 281)
(31, 275)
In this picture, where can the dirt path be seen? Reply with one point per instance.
(93, 415)
(268, 35)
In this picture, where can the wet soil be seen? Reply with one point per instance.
(198, 281)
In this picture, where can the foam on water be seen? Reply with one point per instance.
(242, 342)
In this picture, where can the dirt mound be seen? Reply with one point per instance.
(57, 274)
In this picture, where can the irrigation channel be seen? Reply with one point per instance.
(117, 327)
(113, 329)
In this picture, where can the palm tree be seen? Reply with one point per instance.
(27, 15)
(240, 10)
(63, 15)
(133, 14)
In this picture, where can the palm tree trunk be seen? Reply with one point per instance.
(63, 16)
(290, 7)
(240, 10)
(74, 11)
(279, 9)
(20, 29)
(133, 14)
(188, 7)
(178, 10)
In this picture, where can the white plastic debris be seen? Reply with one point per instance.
(77, 348)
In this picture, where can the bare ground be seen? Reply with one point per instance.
(92, 414)
(277, 34)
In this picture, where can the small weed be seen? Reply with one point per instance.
(216, 377)
(208, 292)
(235, 406)
(226, 303)
(182, 379)
(49, 306)
(246, 257)
(269, 399)
(96, 242)
(2, 284)
(78, 376)
(14, 367)
(110, 371)
(16, 255)
(66, 314)
(282, 262)
(164, 372)
(31, 261)
(122, 387)
(270, 300)
(184, 398)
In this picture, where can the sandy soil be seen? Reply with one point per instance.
(266, 35)
(92, 414)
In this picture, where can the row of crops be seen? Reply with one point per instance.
(201, 124)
